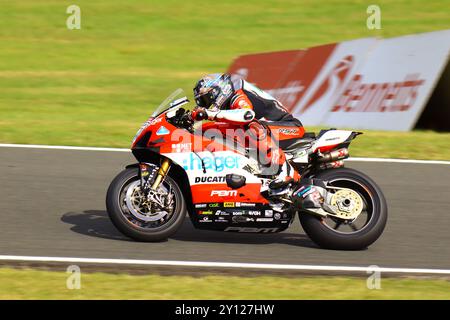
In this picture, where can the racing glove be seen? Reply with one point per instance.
(199, 114)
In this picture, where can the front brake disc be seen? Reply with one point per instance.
(139, 207)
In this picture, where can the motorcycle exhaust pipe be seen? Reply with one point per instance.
(332, 165)
(335, 155)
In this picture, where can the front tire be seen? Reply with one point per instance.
(325, 236)
(135, 225)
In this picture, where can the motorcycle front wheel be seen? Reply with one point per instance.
(139, 216)
(357, 234)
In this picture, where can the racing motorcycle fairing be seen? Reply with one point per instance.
(207, 164)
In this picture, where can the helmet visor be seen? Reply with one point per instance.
(204, 100)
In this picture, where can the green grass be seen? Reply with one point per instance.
(95, 86)
(33, 284)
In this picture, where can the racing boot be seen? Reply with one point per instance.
(284, 178)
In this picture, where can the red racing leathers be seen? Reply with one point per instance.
(249, 103)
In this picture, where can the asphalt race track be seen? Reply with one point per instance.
(52, 204)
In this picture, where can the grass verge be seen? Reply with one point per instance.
(34, 284)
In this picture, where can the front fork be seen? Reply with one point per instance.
(152, 176)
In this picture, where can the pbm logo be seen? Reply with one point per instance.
(224, 193)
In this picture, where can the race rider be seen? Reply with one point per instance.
(225, 98)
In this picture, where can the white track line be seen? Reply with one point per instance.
(224, 265)
(38, 146)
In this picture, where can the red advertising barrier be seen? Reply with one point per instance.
(366, 83)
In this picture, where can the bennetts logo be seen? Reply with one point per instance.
(379, 97)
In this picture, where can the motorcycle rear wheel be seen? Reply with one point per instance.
(132, 223)
(329, 237)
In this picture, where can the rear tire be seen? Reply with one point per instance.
(132, 230)
(319, 232)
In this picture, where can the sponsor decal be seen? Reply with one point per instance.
(245, 204)
(289, 132)
(228, 204)
(162, 131)
(214, 163)
(222, 213)
(332, 83)
(182, 147)
(253, 230)
(213, 205)
(239, 219)
(224, 193)
(209, 179)
(238, 213)
(305, 191)
(379, 97)
(205, 212)
(264, 219)
(309, 191)
(249, 169)
(205, 219)
(144, 169)
(254, 213)
(154, 121)
(221, 219)
(268, 213)
(200, 205)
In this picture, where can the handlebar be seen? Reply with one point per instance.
(183, 119)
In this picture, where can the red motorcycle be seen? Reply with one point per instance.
(186, 167)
